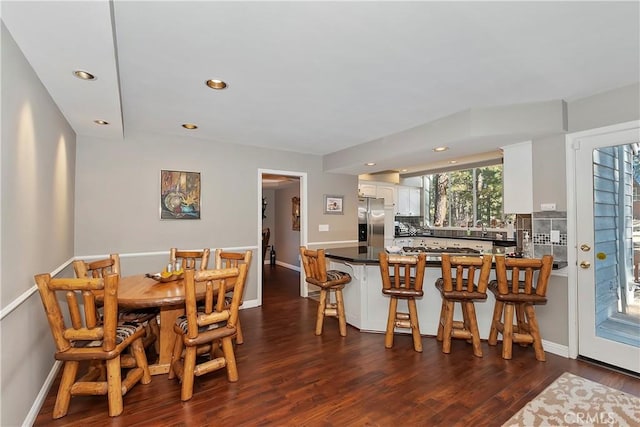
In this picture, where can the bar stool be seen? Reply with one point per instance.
(329, 282)
(513, 294)
(463, 289)
(405, 283)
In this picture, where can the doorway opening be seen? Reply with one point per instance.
(282, 206)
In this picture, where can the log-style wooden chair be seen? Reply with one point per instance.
(210, 330)
(225, 259)
(330, 282)
(91, 340)
(402, 278)
(515, 291)
(147, 317)
(195, 260)
(463, 288)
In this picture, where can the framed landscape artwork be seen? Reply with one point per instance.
(179, 195)
(333, 204)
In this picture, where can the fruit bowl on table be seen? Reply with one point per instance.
(164, 278)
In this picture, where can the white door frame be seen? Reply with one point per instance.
(572, 209)
(303, 220)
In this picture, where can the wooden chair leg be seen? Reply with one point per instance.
(155, 330)
(63, 397)
(415, 325)
(230, 359)
(534, 330)
(391, 320)
(507, 331)
(175, 355)
(186, 392)
(320, 315)
(521, 321)
(342, 319)
(470, 309)
(114, 387)
(443, 311)
(497, 317)
(448, 327)
(239, 336)
(137, 348)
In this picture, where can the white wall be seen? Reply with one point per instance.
(38, 163)
(287, 241)
(126, 219)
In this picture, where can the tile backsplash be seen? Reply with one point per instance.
(542, 224)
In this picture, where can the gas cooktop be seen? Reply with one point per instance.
(411, 250)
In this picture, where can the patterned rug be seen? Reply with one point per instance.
(575, 401)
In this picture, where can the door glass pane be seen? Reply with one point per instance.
(616, 309)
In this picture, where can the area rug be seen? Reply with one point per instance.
(575, 401)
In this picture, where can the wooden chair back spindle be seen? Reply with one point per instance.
(191, 259)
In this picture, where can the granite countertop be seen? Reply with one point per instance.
(369, 255)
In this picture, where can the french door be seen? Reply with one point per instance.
(606, 186)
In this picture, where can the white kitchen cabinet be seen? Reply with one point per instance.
(409, 203)
(367, 190)
(517, 172)
(378, 190)
(388, 193)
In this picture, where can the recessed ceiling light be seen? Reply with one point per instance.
(369, 164)
(190, 126)
(453, 161)
(84, 75)
(101, 122)
(439, 149)
(216, 84)
(404, 170)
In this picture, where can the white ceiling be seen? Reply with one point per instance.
(316, 77)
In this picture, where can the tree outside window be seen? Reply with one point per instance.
(465, 198)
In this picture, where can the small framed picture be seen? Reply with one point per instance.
(333, 204)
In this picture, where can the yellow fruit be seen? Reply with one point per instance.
(178, 272)
(165, 274)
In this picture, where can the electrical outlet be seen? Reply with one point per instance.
(548, 207)
(555, 236)
(323, 227)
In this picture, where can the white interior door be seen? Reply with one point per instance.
(608, 323)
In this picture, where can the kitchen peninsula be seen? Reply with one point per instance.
(366, 307)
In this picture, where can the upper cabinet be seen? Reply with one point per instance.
(367, 190)
(517, 173)
(378, 190)
(408, 201)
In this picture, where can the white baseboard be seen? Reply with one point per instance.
(558, 349)
(289, 266)
(42, 395)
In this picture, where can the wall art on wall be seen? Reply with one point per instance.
(179, 195)
(295, 213)
(333, 204)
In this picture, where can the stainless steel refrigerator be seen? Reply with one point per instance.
(370, 222)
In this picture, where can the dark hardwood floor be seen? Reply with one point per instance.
(290, 377)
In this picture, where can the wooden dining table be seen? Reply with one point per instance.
(144, 292)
